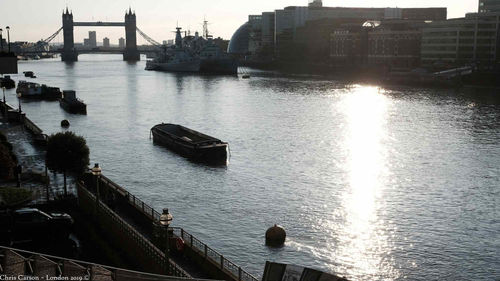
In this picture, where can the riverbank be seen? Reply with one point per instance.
(383, 76)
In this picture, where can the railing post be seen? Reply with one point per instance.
(142, 206)
(182, 233)
(221, 262)
(191, 241)
(205, 248)
(133, 199)
(153, 214)
(239, 273)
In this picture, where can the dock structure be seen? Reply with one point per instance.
(131, 222)
(15, 262)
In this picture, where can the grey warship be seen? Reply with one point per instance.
(194, 54)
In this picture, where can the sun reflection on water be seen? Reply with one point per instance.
(363, 245)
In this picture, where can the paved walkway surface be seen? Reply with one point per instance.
(32, 159)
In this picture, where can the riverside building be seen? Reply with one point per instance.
(393, 43)
(280, 29)
(473, 39)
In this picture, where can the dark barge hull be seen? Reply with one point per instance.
(76, 108)
(228, 66)
(190, 143)
(7, 83)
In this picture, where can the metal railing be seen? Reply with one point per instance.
(32, 126)
(197, 245)
(15, 262)
(141, 241)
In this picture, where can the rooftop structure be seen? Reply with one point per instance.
(315, 3)
(488, 6)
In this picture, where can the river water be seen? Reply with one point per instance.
(369, 183)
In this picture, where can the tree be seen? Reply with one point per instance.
(67, 153)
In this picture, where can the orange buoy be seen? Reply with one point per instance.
(179, 244)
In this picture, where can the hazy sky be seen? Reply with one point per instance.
(35, 19)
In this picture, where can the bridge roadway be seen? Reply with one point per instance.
(99, 23)
(80, 52)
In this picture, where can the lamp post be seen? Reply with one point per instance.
(97, 171)
(8, 37)
(165, 220)
(4, 109)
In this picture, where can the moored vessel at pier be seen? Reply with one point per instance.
(71, 104)
(190, 143)
(30, 90)
(7, 82)
(216, 61)
(194, 54)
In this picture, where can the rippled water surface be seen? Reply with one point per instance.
(370, 183)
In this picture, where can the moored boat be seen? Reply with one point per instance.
(190, 143)
(30, 90)
(194, 54)
(29, 74)
(216, 61)
(71, 104)
(51, 93)
(7, 82)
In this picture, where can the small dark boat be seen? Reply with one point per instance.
(7, 82)
(29, 74)
(71, 104)
(51, 93)
(190, 143)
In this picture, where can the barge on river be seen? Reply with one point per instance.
(72, 104)
(190, 143)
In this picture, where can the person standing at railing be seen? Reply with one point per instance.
(111, 200)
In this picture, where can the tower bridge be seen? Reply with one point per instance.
(69, 53)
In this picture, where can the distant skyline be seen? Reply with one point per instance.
(32, 20)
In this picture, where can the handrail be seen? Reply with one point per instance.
(60, 260)
(201, 248)
(32, 126)
(172, 265)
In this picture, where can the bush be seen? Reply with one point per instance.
(8, 161)
(67, 152)
(14, 196)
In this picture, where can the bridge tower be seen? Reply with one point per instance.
(131, 53)
(69, 52)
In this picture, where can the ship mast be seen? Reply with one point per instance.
(178, 37)
(205, 29)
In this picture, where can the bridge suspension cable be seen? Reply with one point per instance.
(39, 45)
(149, 39)
(51, 37)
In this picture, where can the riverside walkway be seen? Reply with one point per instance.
(27, 142)
(36, 266)
(196, 258)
